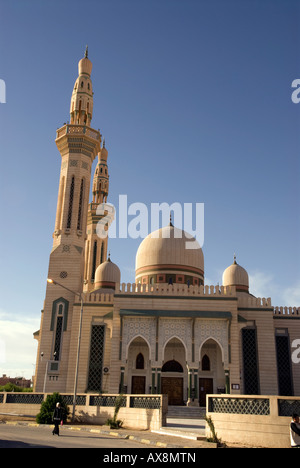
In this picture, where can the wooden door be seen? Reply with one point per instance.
(138, 385)
(205, 386)
(173, 387)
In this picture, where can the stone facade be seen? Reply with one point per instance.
(167, 333)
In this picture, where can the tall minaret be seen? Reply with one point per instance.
(78, 145)
(96, 248)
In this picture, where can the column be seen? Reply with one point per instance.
(121, 388)
(153, 389)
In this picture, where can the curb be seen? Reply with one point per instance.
(111, 433)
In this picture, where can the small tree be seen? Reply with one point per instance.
(115, 423)
(45, 415)
(214, 437)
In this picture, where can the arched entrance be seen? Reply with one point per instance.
(211, 371)
(173, 372)
(138, 369)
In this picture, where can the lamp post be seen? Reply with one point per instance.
(51, 281)
(46, 371)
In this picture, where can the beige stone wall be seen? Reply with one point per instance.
(270, 431)
(133, 418)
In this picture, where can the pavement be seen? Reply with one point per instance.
(177, 434)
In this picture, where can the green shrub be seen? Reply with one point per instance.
(10, 387)
(47, 408)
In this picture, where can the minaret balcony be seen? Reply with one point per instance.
(78, 129)
(78, 139)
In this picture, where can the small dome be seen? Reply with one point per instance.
(170, 254)
(237, 276)
(103, 153)
(85, 66)
(107, 275)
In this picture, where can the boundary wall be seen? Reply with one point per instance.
(256, 420)
(139, 412)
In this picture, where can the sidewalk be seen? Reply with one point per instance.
(147, 438)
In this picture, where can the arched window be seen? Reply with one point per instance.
(94, 261)
(71, 197)
(80, 208)
(172, 366)
(58, 325)
(140, 362)
(205, 363)
(102, 253)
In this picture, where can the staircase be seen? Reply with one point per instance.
(186, 412)
(187, 422)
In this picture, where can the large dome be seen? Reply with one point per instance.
(237, 276)
(169, 255)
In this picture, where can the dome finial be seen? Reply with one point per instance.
(86, 54)
(171, 224)
(109, 260)
(234, 259)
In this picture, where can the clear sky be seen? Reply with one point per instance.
(193, 98)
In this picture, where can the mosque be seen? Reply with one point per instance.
(168, 332)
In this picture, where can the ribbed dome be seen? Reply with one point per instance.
(107, 275)
(235, 275)
(170, 253)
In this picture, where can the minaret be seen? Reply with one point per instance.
(78, 145)
(96, 248)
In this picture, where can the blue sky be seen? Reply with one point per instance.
(193, 98)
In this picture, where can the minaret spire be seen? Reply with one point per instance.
(86, 54)
(81, 109)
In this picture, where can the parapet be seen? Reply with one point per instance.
(97, 297)
(249, 302)
(177, 289)
(287, 311)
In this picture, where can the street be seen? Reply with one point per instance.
(41, 437)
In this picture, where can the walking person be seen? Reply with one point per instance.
(57, 418)
(295, 431)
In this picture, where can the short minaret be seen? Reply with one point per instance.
(78, 145)
(96, 247)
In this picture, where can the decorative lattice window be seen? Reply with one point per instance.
(58, 337)
(250, 361)
(257, 406)
(96, 358)
(285, 383)
(71, 198)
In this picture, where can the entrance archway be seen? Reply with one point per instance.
(138, 368)
(173, 372)
(211, 372)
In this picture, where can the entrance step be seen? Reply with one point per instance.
(185, 434)
(186, 412)
(179, 433)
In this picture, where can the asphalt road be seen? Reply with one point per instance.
(37, 437)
